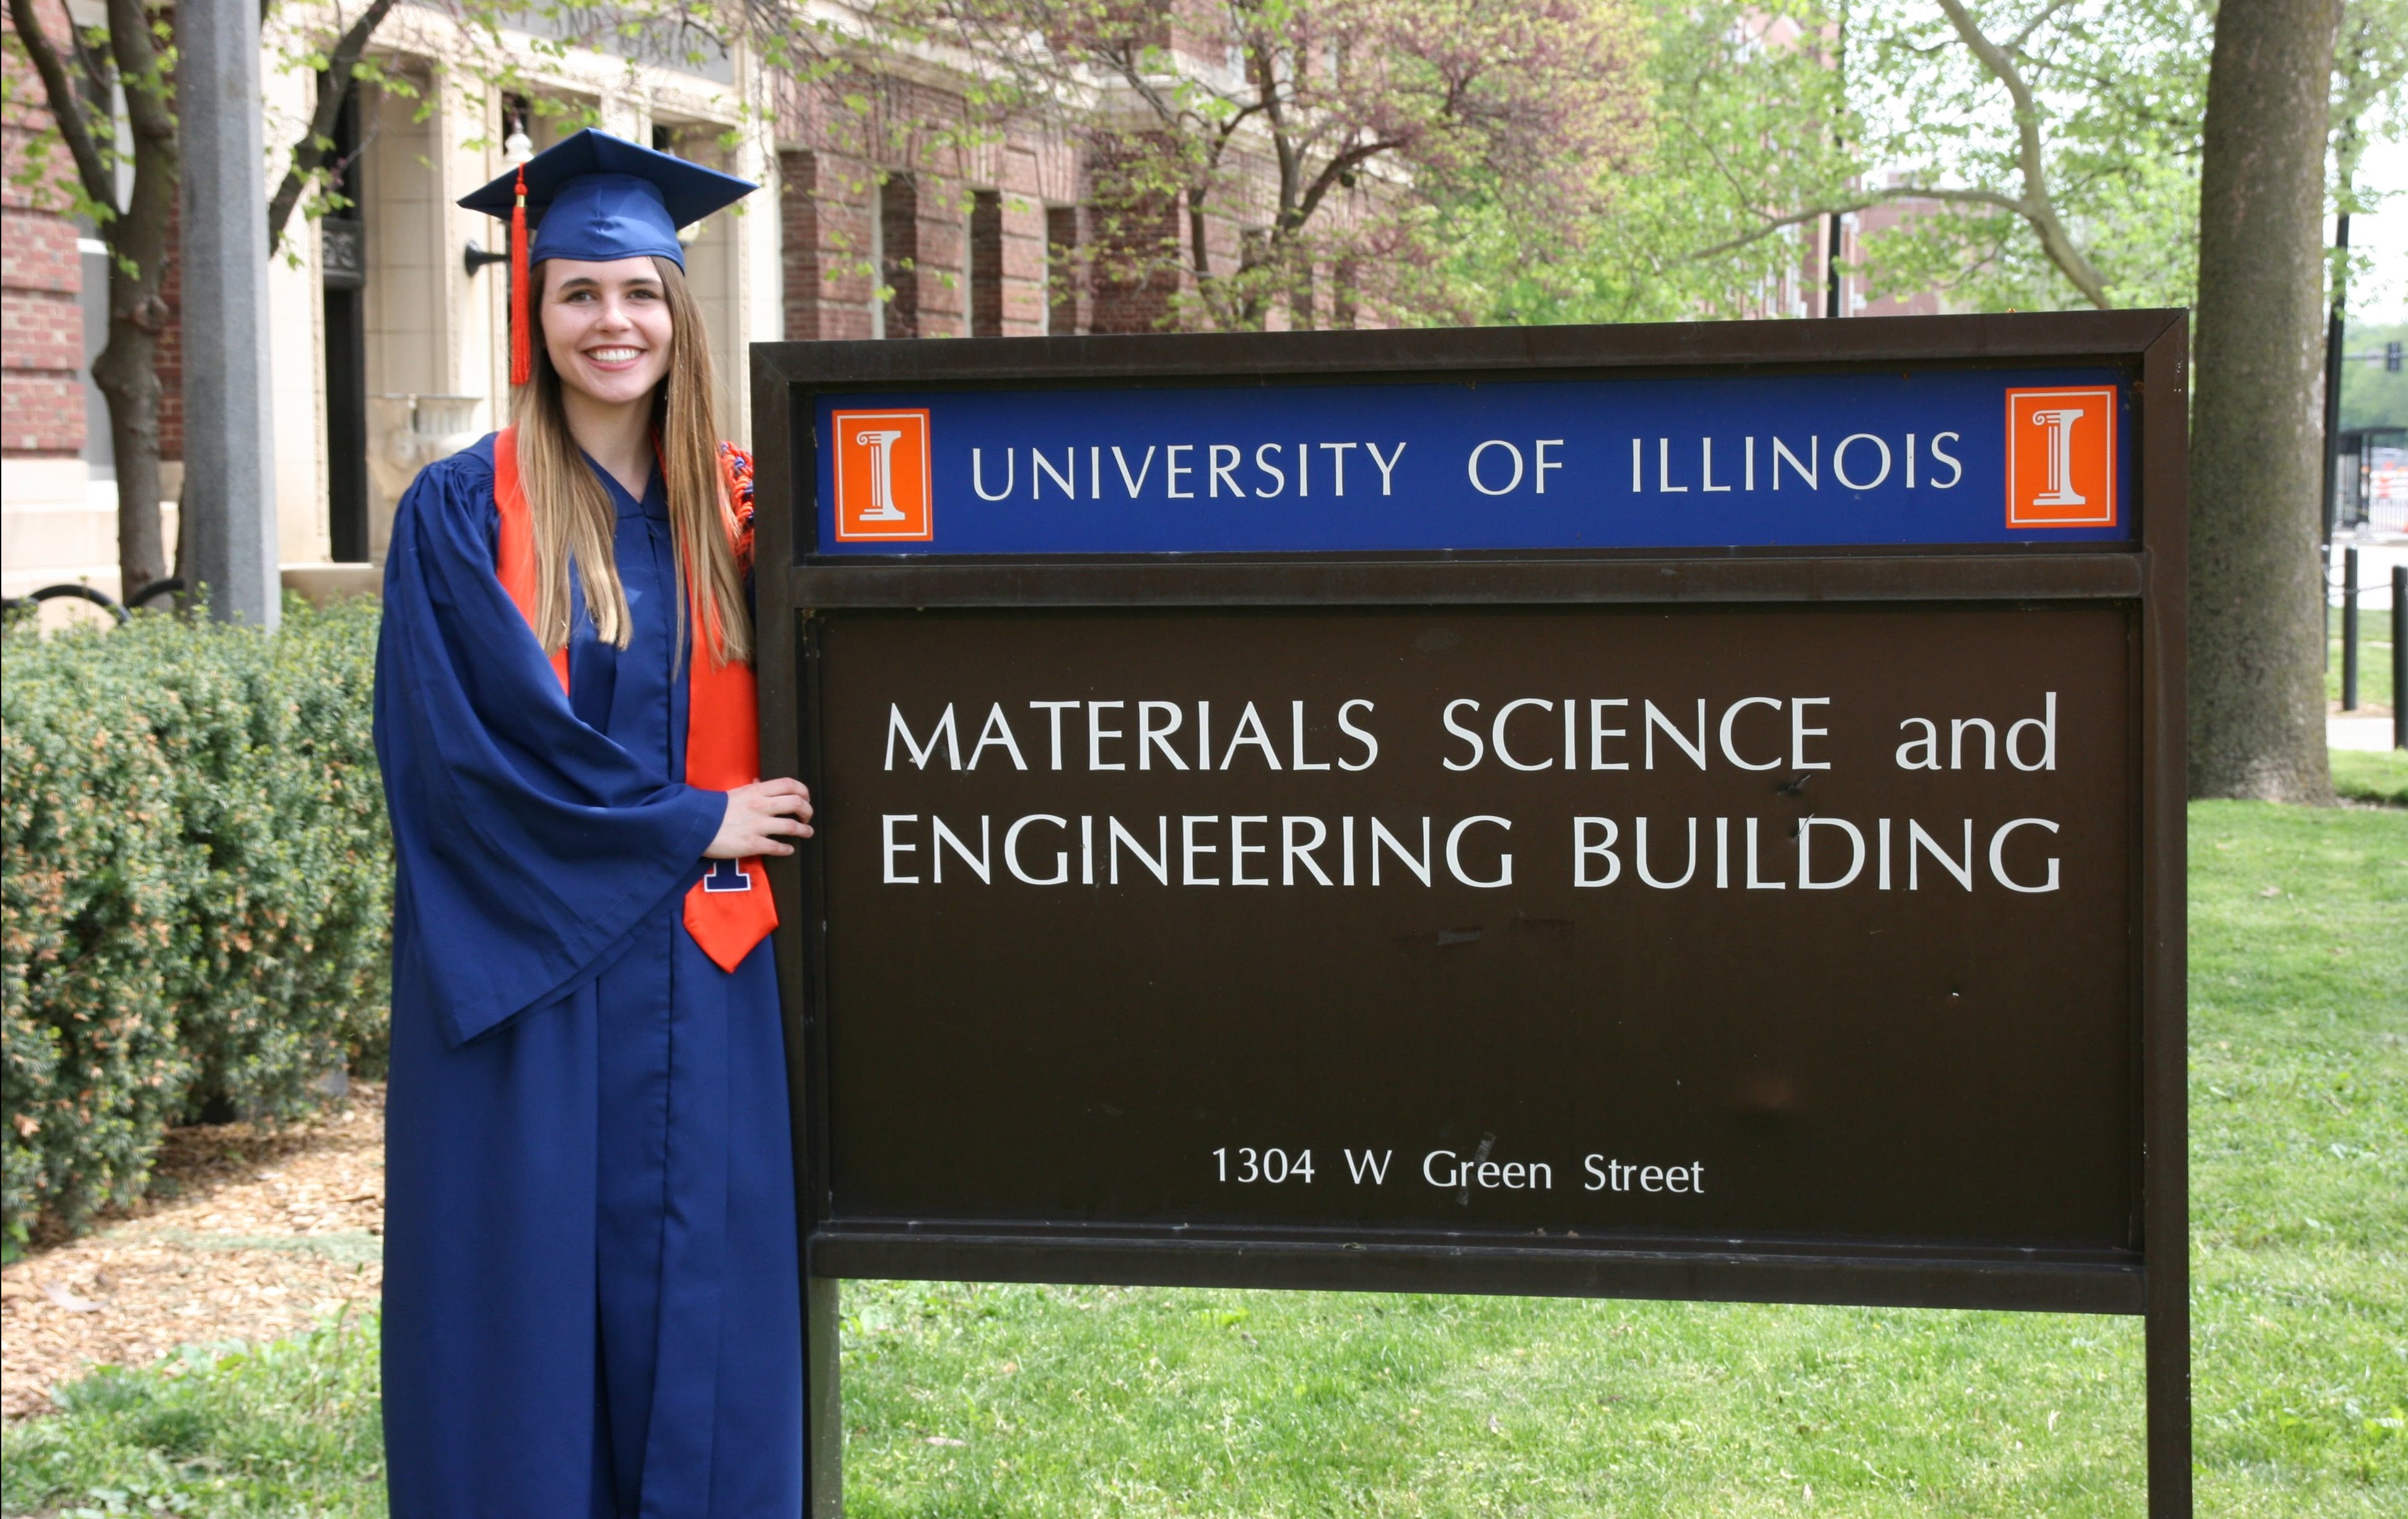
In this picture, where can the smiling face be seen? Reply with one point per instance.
(607, 327)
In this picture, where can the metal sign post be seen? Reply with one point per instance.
(1663, 811)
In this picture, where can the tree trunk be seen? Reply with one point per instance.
(127, 369)
(2256, 587)
(130, 384)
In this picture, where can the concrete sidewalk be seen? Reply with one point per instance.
(2358, 731)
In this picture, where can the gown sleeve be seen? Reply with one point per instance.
(528, 844)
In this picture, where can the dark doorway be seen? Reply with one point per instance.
(343, 263)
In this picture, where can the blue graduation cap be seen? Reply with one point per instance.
(597, 197)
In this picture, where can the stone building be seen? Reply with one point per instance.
(887, 213)
(56, 505)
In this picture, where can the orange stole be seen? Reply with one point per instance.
(730, 909)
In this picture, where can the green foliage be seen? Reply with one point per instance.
(1048, 1401)
(2073, 147)
(198, 891)
(2369, 105)
(1750, 118)
(2118, 89)
(1334, 133)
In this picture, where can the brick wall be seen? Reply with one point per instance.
(41, 325)
(942, 253)
(1130, 288)
(1009, 234)
(961, 215)
(41, 337)
(823, 210)
(41, 286)
(1027, 172)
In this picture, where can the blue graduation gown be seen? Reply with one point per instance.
(592, 1298)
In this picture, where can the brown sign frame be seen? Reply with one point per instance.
(2147, 577)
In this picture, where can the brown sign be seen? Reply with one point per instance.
(1630, 855)
(1808, 923)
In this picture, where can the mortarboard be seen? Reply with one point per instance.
(595, 197)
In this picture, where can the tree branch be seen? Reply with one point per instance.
(1283, 144)
(139, 68)
(1351, 158)
(1996, 199)
(310, 153)
(67, 105)
(1770, 227)
(2046, 15)
(97, 72)
(1127, 64)
(2035, 207)
(1715, 156)
(1869, 198)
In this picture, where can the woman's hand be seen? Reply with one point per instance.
(760, 817)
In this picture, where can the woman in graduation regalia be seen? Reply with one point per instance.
(593, 1302)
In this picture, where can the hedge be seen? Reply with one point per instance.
(196, 898)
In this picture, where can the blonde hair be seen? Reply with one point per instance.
(571, 511)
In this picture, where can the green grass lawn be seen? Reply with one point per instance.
(2371, 775)
(282, 1429)
(978, 1401)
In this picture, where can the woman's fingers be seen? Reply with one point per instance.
(766, 830)
(784, 809)
(760, 816)
(782, 795)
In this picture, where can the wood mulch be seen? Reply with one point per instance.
(247, 1234)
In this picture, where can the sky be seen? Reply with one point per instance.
(2383, 299)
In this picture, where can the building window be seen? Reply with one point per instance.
(342, 235)
(1061, 255)
(987, 264)
(894, 255)
(878, 259)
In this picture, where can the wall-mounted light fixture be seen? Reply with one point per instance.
(517, 147)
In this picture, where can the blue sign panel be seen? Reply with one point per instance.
(1944, 457)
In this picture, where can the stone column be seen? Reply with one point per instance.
(229, 499)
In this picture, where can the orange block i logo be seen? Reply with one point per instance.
(881, 475)
(2061, 457)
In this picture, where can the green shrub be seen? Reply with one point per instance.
(197, 890)
(90, 900)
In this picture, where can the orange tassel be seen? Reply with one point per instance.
(521, 334)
